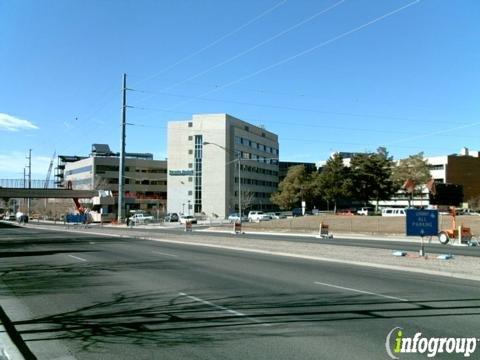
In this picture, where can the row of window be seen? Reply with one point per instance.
(258, 170)
(137, 182)
(254, 145)
(101, 169)
(258, 158)
(82, 182)
(436, 167)
(80, 170)
(248, 181)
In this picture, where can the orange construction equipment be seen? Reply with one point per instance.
(80, 208)
(445, 236)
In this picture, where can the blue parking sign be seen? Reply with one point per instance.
(422, 222)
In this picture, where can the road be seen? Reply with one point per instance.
(433, 247)
(81, 296)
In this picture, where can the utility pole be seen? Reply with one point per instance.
(29, 178)
(121, 167)
(239, 189)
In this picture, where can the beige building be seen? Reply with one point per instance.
(145, 178)
(204, 155)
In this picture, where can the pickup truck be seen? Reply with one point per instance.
(140, 218)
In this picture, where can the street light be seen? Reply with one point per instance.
(239, 159)
(239, 175)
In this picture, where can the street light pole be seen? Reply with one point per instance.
(239, 189)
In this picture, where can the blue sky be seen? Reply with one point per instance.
(324, 75)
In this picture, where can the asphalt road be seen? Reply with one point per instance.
(433, 247)
(93, 297)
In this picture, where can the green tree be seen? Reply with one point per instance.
(414, 171)
(296, 186)
(371, 176)
(334, 181)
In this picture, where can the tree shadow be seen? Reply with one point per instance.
(167, 320)
(45, 279)
(8, 254)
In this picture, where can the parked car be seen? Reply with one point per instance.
(297, 212)
(273, 215)
(171, 217)
(365, 211)
(140, 218)
(256, 216)
(393, 212)
(235, 217)
(184, 218)
(345, 212)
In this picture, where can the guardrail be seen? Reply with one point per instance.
(24, 184)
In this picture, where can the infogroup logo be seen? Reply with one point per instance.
(397, 343)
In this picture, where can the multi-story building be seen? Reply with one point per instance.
(216, 161)
(460, 169)
(145, 178)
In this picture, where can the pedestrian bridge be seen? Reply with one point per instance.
(10, 193)
(40, 189)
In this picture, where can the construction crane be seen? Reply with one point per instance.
(49, 172)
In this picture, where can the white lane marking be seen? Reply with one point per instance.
(360, 291)
(279, 253)
(162, 253)
(230, 311)
(76, 257)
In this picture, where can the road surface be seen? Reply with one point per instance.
(74, 296)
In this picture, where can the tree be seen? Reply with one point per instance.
(334, 181)
(371, 176)
(412, 173)
(296, 186)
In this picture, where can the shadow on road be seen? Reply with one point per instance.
(168, 320)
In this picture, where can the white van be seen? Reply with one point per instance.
(393, 212)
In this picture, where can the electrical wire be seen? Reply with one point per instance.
(306, 51)
(213, 43)
(252, 48)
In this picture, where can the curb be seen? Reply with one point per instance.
(13, 347)
(277, 253)
(338, 236)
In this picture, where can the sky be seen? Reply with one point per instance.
(325, 75)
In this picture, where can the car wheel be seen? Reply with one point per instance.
(443, 238)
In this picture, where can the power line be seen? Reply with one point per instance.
(250, 49)
(215, 42)
(372, 116)
(307, 51)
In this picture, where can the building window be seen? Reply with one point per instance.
(190, 152)
(263, 134)
(247, 128)
(190, 165)
(190, 138)
(190, 179)
(190, 124)
(198, 174)
(190, 192)
(436, 167)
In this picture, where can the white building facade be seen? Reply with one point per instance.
(204, 155)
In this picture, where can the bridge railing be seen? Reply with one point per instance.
(23, 184)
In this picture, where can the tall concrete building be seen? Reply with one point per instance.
(204, 155)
